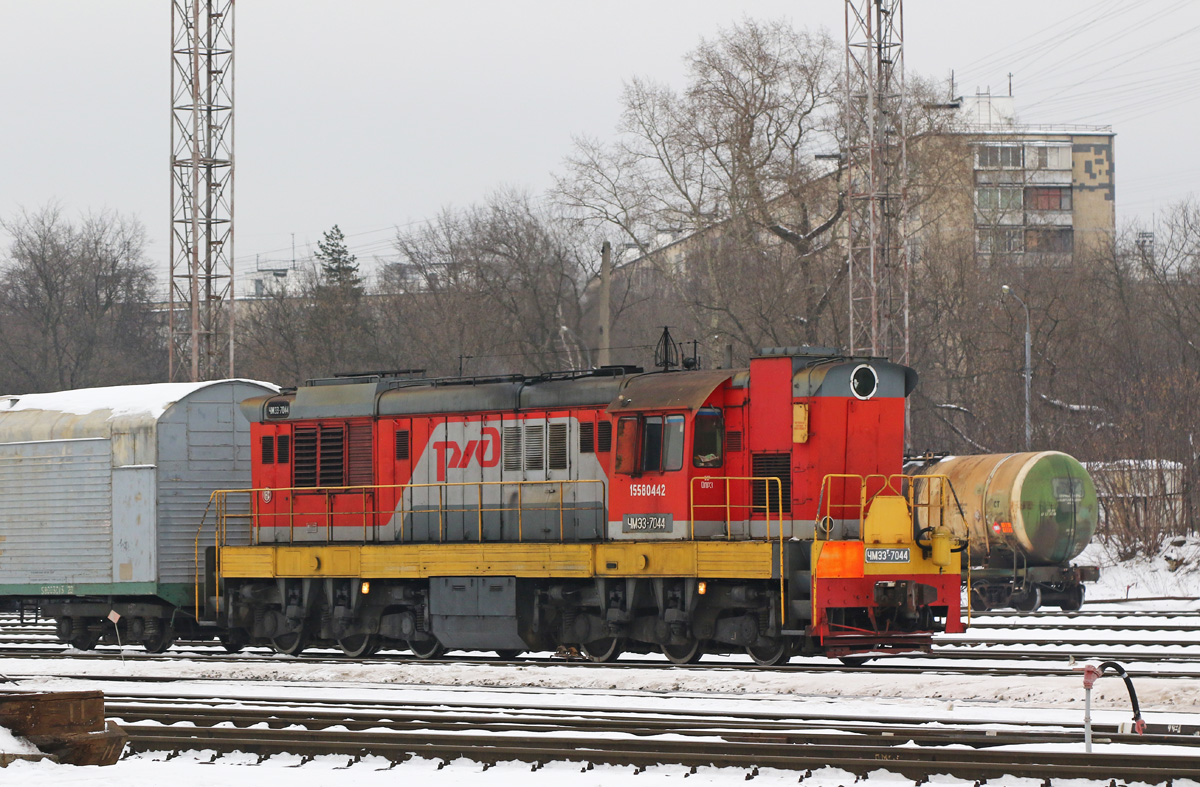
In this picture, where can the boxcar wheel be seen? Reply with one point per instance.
(290, 644)
(771, 655)
(86, 641)
(602, 651)
(426, 648)
(160, 641)
(688, 653)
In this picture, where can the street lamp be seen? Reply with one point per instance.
(1028, 431)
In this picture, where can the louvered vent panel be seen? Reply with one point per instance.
(772, 466)
(359, 455)
(733, 441)
(304, 472)
(587, 437)
(558, 446)
(331, 467)
(604, 440)
(282, 449)
(402, 447)
(268, 449)
(512, 448)
(535, 447)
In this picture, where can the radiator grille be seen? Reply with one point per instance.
(535, 447)
(305, 467)
(402, 446)
(512, 448)
(268, 449)
(361, 472)
(587, 437)
(733, 441)
(332, 450)
(772, 466)
(283, 446)
(604, 440)
(558, 446)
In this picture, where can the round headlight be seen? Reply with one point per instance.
(864, 382)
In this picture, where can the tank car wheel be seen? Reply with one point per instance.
(359, 646)
(508, 655)
(160, 641)
(1072, 599)
(233, 641)
(854, 661)
(688, 653)
(290, 644)
(426, 648)
(1028, 601)
(603, 651)
(979, 601)
(770, 655)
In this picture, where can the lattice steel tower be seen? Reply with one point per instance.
(201, 290)
(876, 167)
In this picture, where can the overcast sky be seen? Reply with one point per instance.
(373, 114)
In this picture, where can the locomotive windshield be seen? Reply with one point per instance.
(708, 445)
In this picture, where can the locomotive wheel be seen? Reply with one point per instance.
(770, 655)
(233, 641)
(359, 646)
(426, 648)
(161, 641)
(292, 644)
(602, 651)
(688, 653)
(1072, 599)
(508, 655)
(1028, 601)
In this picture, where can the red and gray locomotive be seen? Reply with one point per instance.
(758, 510)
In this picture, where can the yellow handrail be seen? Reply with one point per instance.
(771, 484)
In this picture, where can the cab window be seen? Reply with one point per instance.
(626, 460)
(651, 444)
(708, 449)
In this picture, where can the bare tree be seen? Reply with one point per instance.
(501, 282)
(76, 307)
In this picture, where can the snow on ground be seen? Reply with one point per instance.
(739, 689)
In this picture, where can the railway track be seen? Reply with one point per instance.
(493, 732)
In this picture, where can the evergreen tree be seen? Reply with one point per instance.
(339, 268)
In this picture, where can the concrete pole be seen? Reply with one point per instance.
(604, 318)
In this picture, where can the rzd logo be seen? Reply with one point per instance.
(486, 451)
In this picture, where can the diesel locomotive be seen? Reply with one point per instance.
(758, 510)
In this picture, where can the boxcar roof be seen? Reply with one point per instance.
(150, 400)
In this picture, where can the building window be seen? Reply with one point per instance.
(1050, 240)
(998, 198)
(1048, 198)
(1048, 156)
(999, 240)
(998, 157)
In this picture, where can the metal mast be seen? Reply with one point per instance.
(876, 166)
(200, 297)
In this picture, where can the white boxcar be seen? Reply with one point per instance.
(103, 493)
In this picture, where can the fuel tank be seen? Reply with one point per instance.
(1027, 509)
